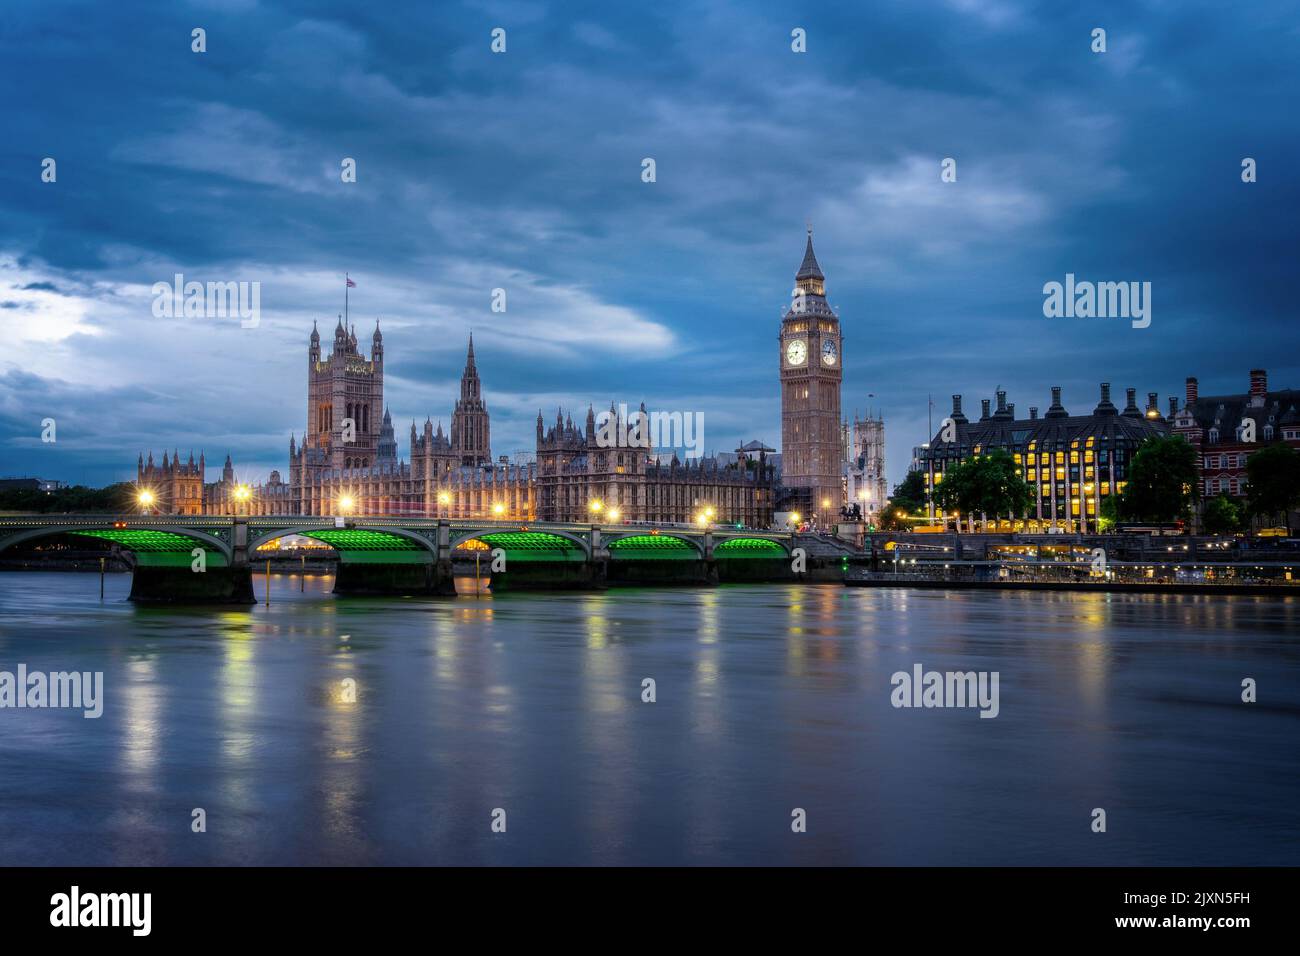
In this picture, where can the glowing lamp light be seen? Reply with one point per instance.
(346, 502)
(595, 506)
(243, 492)
(145, 498)
(498, 509)
(613, 514)
(794, 516)
(444, 498)
(708, 512)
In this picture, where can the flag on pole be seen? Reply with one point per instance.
(351, 284)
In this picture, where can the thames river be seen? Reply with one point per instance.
(321, 730)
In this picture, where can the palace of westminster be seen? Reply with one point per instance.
(827, 470)
(348, 457)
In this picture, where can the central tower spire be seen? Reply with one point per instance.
(809, 278)
(810, 364)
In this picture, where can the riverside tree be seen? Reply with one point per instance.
(908, 499)
(1273, 483)
(1222, 515)
(1162, 484)
(988, 486)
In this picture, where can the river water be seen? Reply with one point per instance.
(768, 699)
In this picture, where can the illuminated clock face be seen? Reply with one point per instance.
(828, 352)
(796, 352)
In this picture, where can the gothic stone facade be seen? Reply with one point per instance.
(349, 453)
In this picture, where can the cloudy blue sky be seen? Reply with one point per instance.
(522, 171)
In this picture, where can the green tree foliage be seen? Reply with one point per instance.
(1222, 515)
(1108, 515)
(75, 500)
(1273, 482)
(909, 495)
(1162, 482)
(985, 486)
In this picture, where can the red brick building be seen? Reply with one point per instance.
(1226, 429)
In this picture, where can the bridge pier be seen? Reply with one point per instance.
(152, 584)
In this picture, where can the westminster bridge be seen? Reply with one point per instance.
(211, 559)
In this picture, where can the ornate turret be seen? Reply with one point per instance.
(470, 425)
(386, 450)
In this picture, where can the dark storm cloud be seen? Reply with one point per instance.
(523, 171)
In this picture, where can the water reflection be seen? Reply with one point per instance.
(768, 698)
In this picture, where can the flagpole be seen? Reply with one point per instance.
(346, 286)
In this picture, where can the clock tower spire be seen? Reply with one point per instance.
(811, 373)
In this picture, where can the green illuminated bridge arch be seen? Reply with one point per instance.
(152, 547)
(359, 545)
(400, 539)
(412, 555)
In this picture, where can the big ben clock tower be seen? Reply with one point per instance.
(811, 364)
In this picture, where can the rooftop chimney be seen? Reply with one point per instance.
(1033, 413)
(984, 409)
(1105, 407)
(1191, 391)
(1173, 406)
(1056, 410)
(1130, 406)
(1002, 399)
(1153, 404)
(1011, 410)
(1258, 387)
(957, 414)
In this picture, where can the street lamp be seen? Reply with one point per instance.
(346, 503)
(595, 506)
(498, 509)
(146, 499)
(444, 498)
(613, 515)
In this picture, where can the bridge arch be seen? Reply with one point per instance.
(749, 546)
(528, 545)
(657, 546)
(162, 544)
(355, 541)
